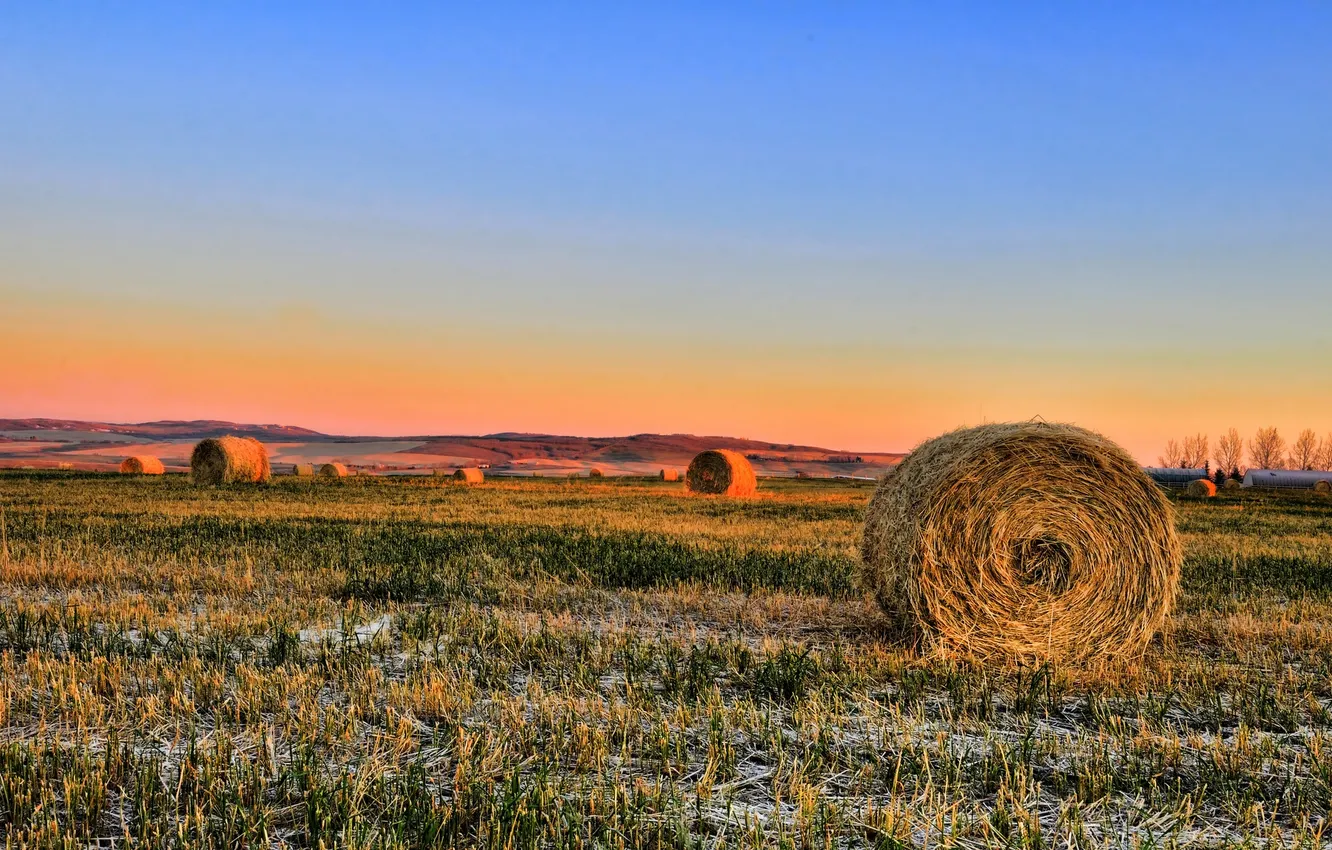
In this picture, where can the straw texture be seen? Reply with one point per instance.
(1023, 541)
(469, 475)
(142, 465)
(303, 470)
(721, 472)
(230, 460)
(670, 475)
(333, 470)
(1201, 488)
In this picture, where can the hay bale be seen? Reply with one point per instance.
(141, 465)
(595, 472)
(1233, 484)
(1023, 540)
(1323, 488)
(230, 460)
(333, 470)
(721, 472)
(1201, 488)
(670, 475)
(303, 470)
(469, 475)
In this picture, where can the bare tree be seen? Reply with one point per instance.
(1304, 451)
(1174, 455)
(1325, 453)
(1230, 451)
(1267, 449)
(1195, 451)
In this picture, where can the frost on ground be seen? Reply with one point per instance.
(404, 664)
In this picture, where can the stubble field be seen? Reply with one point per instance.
(384, 662)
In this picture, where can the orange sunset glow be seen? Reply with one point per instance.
(139, 362)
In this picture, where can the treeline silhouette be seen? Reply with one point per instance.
(1266, 449)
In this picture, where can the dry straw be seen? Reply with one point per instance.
(595, 472)
(229, 460)
(469, 475)
(670, 475)
(1201, 488)
(1233, 484)
(1023, 541)
(142, 465)
(303, 470)
(1323, 488)
(721, 472)
(333, 470)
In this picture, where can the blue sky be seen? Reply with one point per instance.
(941, 180)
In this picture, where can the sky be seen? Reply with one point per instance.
(842, 224)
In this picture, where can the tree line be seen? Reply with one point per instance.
(1266, 449)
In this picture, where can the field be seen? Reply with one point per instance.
(407, 663)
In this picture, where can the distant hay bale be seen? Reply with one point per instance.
(303, 470)
(595, 472)
(1323, 488)
(721, 472)
(469, 475)
(333, 470)
(1201, 488)
(670, 475)
(230, 460)
(1233, 484)
(1023, 540)
(142, 465)
(440, 472)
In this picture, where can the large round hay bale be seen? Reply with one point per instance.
(670, 475)
(595, 472)
(230, 460)
(142, 465)
(1233, 484)
(303, 470)
(1023, 540)
(1323, 487)
(469, 475)
(721, 472)
(333, 470)
(1201, 488)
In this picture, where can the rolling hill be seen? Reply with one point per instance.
(101, 445)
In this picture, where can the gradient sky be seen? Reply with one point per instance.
(852, 225)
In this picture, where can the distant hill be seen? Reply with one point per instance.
(166, 429)
(509, 447)
(101, 445)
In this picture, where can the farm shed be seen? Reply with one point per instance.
(1285, 479)
(1167, 476)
